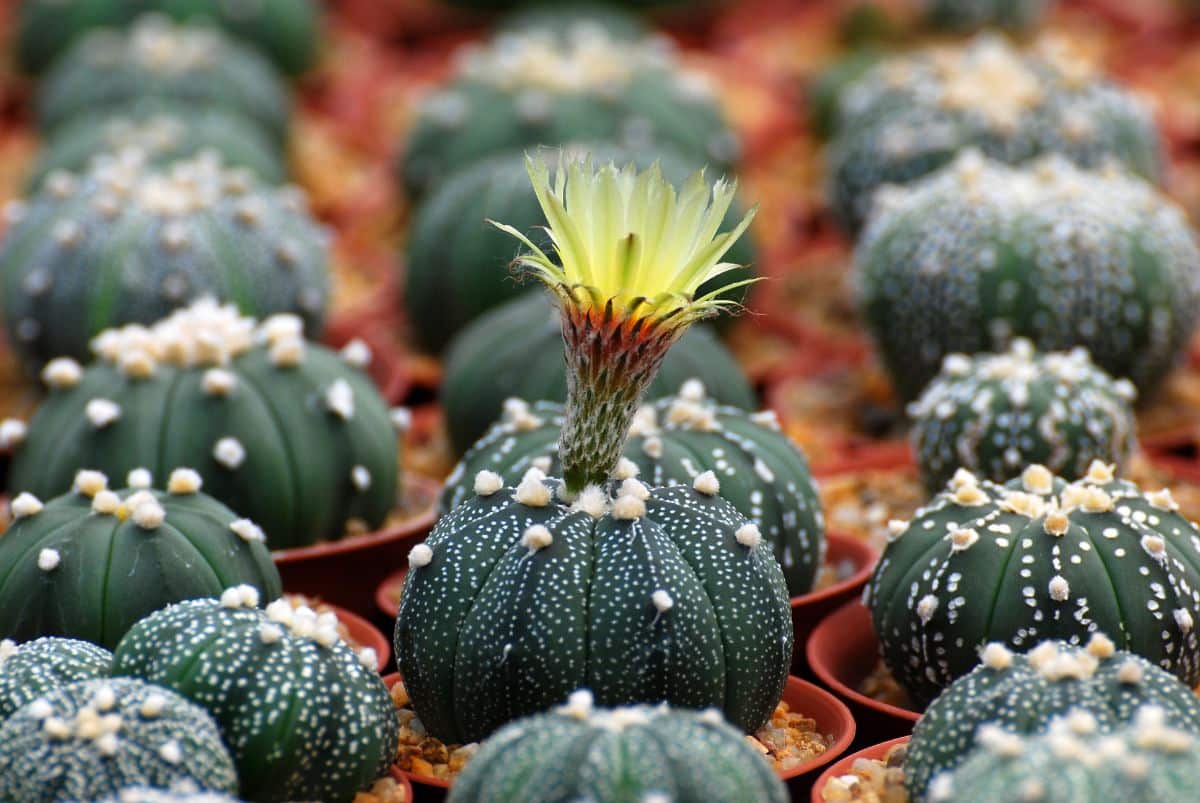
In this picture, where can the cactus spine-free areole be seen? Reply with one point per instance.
(29, 670)
(310, 719)
(578, 752)
(287, 433)
(995, 414)
(90, 563)
(1035, 559)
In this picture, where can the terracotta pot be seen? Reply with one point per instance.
(843, 767)
(831, 715)
(347, 572)
(387, 596)
(842, 651)
(809, 609)
(365, 634)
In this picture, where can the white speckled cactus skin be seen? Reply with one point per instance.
(90, 739)
(29, 670)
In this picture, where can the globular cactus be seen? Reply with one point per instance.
(1023, 693)
(165, 134)
(578, 752)
(29, 670)
(1036, 559)
(530, 88)
(575, 20)
(515, 351)
(517, 599)
(972, 15)
(180, 793)
(911, 114)
(981, 252)
(995, 414)
(89, 564)
(154, 60)
(126, 242)
(457, 264)
(305, 717)
(289, 434)
(673, 441)
(288, 31)
(90, 739)
(1144, 761)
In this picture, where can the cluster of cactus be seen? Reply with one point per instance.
(89, 564)
(90, 739)
(515, 351)
(310, 718)
(456, 265)
(981, 252)
(909, 115)
(1036, 558)
(285, 432)
(995, 414)
(1023, 693)
(1144, 761)
(29, 670)
(579, 752)
(285, 30)
(582, 84)
(761, 472)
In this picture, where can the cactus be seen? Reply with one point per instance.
(310, 719)
(578, 752)
(156, 61)
(642, 595)
(1035, 559)
(516, 351)
(90, 739)
(285, 432)
(972, 15)
(981, 253)
(673, 441)
(288, 31)
(525, 89)
(89, 564)
(165, 134)
(182, 793)
(912, 114)
(456, 265)
(1144, 761)
(994, 414)
(574, 20)
(1022, 694)
(29, 670)
(128, 243)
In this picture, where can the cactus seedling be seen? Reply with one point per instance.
(32, 669)
(128, 243)
(981, 252)
(1037, 558)
(310, 718)
(90, 563)
(90, 739)
(579, 752)
(289, 434)
(995, 414)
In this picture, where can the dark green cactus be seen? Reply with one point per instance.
(972, 15)
(165, 134)
(90, 563)
(286, 432)
(29, 670)
(643, 753)
(129, 243)
(1144, 761)
(672, 442)
(912, 114)
(310, 719)
(980, 253)
(525, 89)
(995, 414)
(154, 61)
(515, 351)
(90, 739)
(1036, 559)
(517, 599)
(288, 31)
(1023, 693)
(457, 264)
